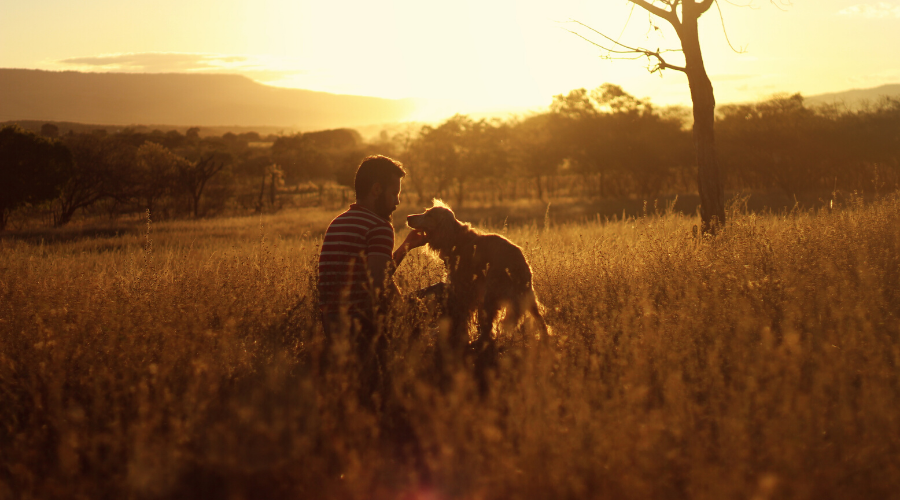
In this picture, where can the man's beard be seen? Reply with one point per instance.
(384, 208)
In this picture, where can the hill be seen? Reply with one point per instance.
(205, 131)
(183, 100)
(855, 97)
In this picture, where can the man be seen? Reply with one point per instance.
(356, 264)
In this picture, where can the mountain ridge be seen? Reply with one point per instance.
(854, 97)
(224, 102)
(183, 99)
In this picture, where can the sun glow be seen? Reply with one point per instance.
(468, 56)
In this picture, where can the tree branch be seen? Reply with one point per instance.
(630, 12)
(781, 5)
(702, 6)
(668, 15)
(748, 5)
(727, 39)
(607, 49)
(628, 50)
(662, 64)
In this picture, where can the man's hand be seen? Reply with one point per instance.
(380, 268)
(414, 239)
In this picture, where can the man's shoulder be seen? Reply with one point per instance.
(365, 216)
(352, 218)
(361, 215)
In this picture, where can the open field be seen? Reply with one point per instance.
(180, 362)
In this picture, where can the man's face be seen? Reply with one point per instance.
(389, 199)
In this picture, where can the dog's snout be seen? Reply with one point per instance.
(414, 220)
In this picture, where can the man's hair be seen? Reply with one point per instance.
(377, 168)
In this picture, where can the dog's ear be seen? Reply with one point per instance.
(449, 222)
(440, 222)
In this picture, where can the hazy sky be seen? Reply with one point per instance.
(467, 55)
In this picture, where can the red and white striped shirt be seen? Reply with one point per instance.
(350, 240)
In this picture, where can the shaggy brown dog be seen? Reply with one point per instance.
(486, 273)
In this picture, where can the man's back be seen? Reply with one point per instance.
(350, 240)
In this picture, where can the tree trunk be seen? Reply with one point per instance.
(262, 194)
(602, 185)
(64, 217)
(113, 208)
(272, 190)
(196, 193)
(195, 198)
(709, 177)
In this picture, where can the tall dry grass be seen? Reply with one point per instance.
(182, 364)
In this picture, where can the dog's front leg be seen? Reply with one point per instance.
(452, 338)
(485, 345)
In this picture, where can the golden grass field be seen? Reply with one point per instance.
(180, 363)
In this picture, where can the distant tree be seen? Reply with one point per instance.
(760, 142)
(157, 171)
(250, 171)
(386, 145)
(50, 131)
(345, 165)
(192, 134)
(273, 177)
(536, 148)
(683, 15)
(459, 152)
(93, 178)
(871, 139)
(249, 137)
(173, 140)
(32, 169)
(206, 159)
(314, 155)
(640, 142)
(578, 129)
(336, 139)
(193, 176)
(403, 147)
(613, 99)
(784, 144)
(576, 105)
(607, 132)
(485, 154)
(438, 151)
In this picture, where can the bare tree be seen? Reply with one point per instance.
(193, 176)
(92, 175)
(683, 16)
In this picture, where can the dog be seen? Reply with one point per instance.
(485, 273)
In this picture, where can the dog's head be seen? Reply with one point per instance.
(438, 223)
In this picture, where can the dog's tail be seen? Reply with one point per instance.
(535, 309)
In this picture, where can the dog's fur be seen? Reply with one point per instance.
(486, 273)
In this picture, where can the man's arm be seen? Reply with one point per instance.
(414, 239)
(381, 274)
(381, 268)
